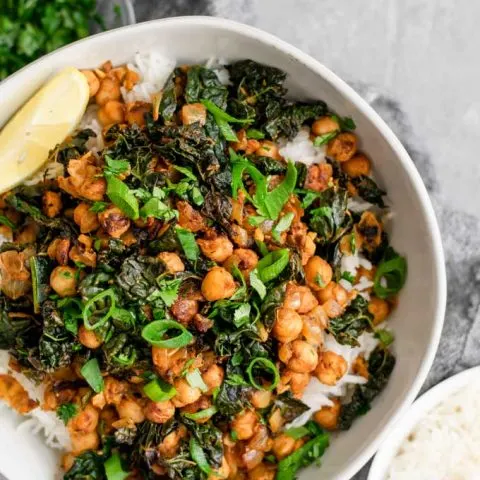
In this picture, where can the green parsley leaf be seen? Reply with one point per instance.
(157, 209)
(67, 411)
(122, 197)
(188, 243)
(282, 225)
(98, 207)
(169, 290)
(115, 167)
(348, 277)
(257, 284)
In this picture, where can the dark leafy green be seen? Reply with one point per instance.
(87, 466)
(368, 190)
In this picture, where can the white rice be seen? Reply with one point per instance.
(37, 420)
(302, 149)
(445, 445)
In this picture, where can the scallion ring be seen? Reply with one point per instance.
(110, 294)
(155, 331)
(273, 264)
(267, 365)
(159, 391)
(202, 414)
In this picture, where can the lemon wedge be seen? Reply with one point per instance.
(42, 123)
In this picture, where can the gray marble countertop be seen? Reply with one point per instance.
(415, 62)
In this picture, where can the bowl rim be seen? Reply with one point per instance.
(417, 411)
(440, 286)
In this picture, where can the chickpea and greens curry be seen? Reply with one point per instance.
(177, 290)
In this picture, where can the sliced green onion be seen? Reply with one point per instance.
(267, 365)
(198, 456)
(6, 221)
(325, 138)
(202, 414)
(122, 197)
(220, 114)
(110, 293)
(159, 391)
(386, 337)
(282, 225)
(154, 333)
(257, 284)
(262, 248)
(390, 275)
(91, 373)
(188, 243)
(114, 469)
(195, 380)
(273, 264)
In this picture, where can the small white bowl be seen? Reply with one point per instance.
(419, 317)
(414, 415)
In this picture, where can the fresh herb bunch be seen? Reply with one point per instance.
(32, 28)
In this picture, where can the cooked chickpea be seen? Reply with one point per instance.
(343, 147)
(63, 280)
(52, 203)
(360, 367)
(331, 368)
(213, 377)
(135, 114)
(159, 412)
(261, 398)
(131, 409)
(58, 250)
(114, 221)
(28, 234)
(300, 356)
(263, 471)
(283, 446)
(268, 149)
(85, 218)
(314, 323)
(276, 420)
(131, 79)
(68, 460)
(324, 125)
(84, 441)
(333, 291)
(242, 142)
(172, 261)
(299, 298)
(184, 309)
(244, 424)
(319, 177)
(114, 390)
(111, 113)
(84, 422)
(379, 309)
(358, 165)
(192, 113)
(222, 472)
(308, 249)
(217, 249)
(93, 82)
(218, 284)
(318, 273)
(88, 338)
(288, 325)
(244, 259)
(109, 90)
(169, 446)
(327, 417)
(185, 393)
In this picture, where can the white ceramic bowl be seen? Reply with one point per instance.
(418, 319)
(427, 402)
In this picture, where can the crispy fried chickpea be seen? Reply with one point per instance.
(52, 203)
(172, 261)
(84, 441)
(242, 142)
(28, 234)
(222, 472)
(360, 367)
(63, 280)
(264, 471)
(318, 273)
(85, 218)
(88, 338)
(114, 221)
(218, 248)
(159, 412)
(319, 177)
(213, 377)
(244, 424)
(331, 368)
(252, 146)
(169, 446)
(343, 147)
(184, 309)
(379, 309)
(300, 356)
(192, 113)
(114, 390)
(299, 298)
(131, 79)
(93, 82)
(58, 250)
(130, 408)
(288, 325)
(261, 398)
(327, 417)
(314, 323)
(244, 259)
(111, 113)
(240, 236)
(189, 218)
(268, 149)
(68, 460)
(186, 394)
(135, 113)
(324, 125)
(85, 421)
(276, 420)
(333, 291)
(109, 90)
(283, 446)
(358, 165)
(218, 284)
(83, 252)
